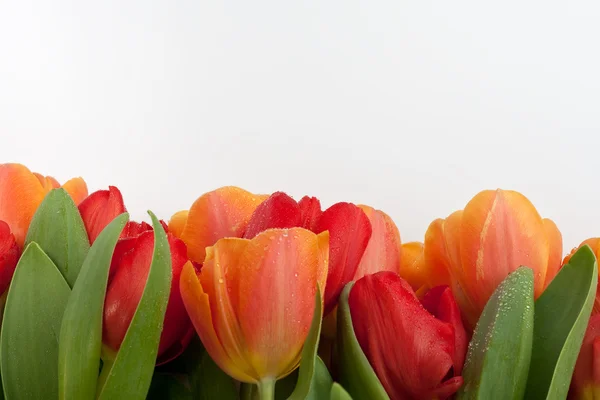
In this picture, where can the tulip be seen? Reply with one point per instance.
(473, 250)
(384, 247)
(21, 193)
(9, 256)
(128, 273)
(417, 350)
(585, 384)
(349, 230)
(594, 243)
(252, 301)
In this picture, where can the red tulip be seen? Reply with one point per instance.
(9, 256)
(349, 233)
(128, 273)
(416, 349)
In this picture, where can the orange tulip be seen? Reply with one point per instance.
(253, 300)
(473, 250)
(384, 246)
(21, 193)
(224, 212)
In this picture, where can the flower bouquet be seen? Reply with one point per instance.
(247, 296)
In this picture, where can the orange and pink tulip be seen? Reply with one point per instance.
(473, 250)
(252, 301)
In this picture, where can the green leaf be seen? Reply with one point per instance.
(338, 393)
(36, 301)
(356, 374)
(500, 351)
(131, 373)
(309, 355)
(562, 313)
(321, 382)
(319, 387)
(81, 330)
(59, 230)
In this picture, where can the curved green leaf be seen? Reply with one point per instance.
(130, 375)
(338, 393)
(81, 330)
(356, 374)
(562, 313)
(309, 354)
(59, 230)
(321, 382)
(36, 301)
(500, 350)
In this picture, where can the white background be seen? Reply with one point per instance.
(411, 107)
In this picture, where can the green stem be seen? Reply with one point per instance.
(266, 389)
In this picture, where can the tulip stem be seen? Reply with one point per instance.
(266, 389)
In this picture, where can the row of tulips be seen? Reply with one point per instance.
(249, 296)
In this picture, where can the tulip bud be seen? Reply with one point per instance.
(417, 350)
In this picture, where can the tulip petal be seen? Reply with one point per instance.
(77, 188)
(412, 265)
(349, 233)
(20, 195)
(310, 208)
(278, 211)
(383, 250)
(47, 182)
(177, 222)
(501, 231)
(199, 309)
(555, 250)
(436, 254)
(224, 212)
(277, 275)
(440, 302)
(9, 256)
(219, 279)
(409, 349)
(99, 209)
